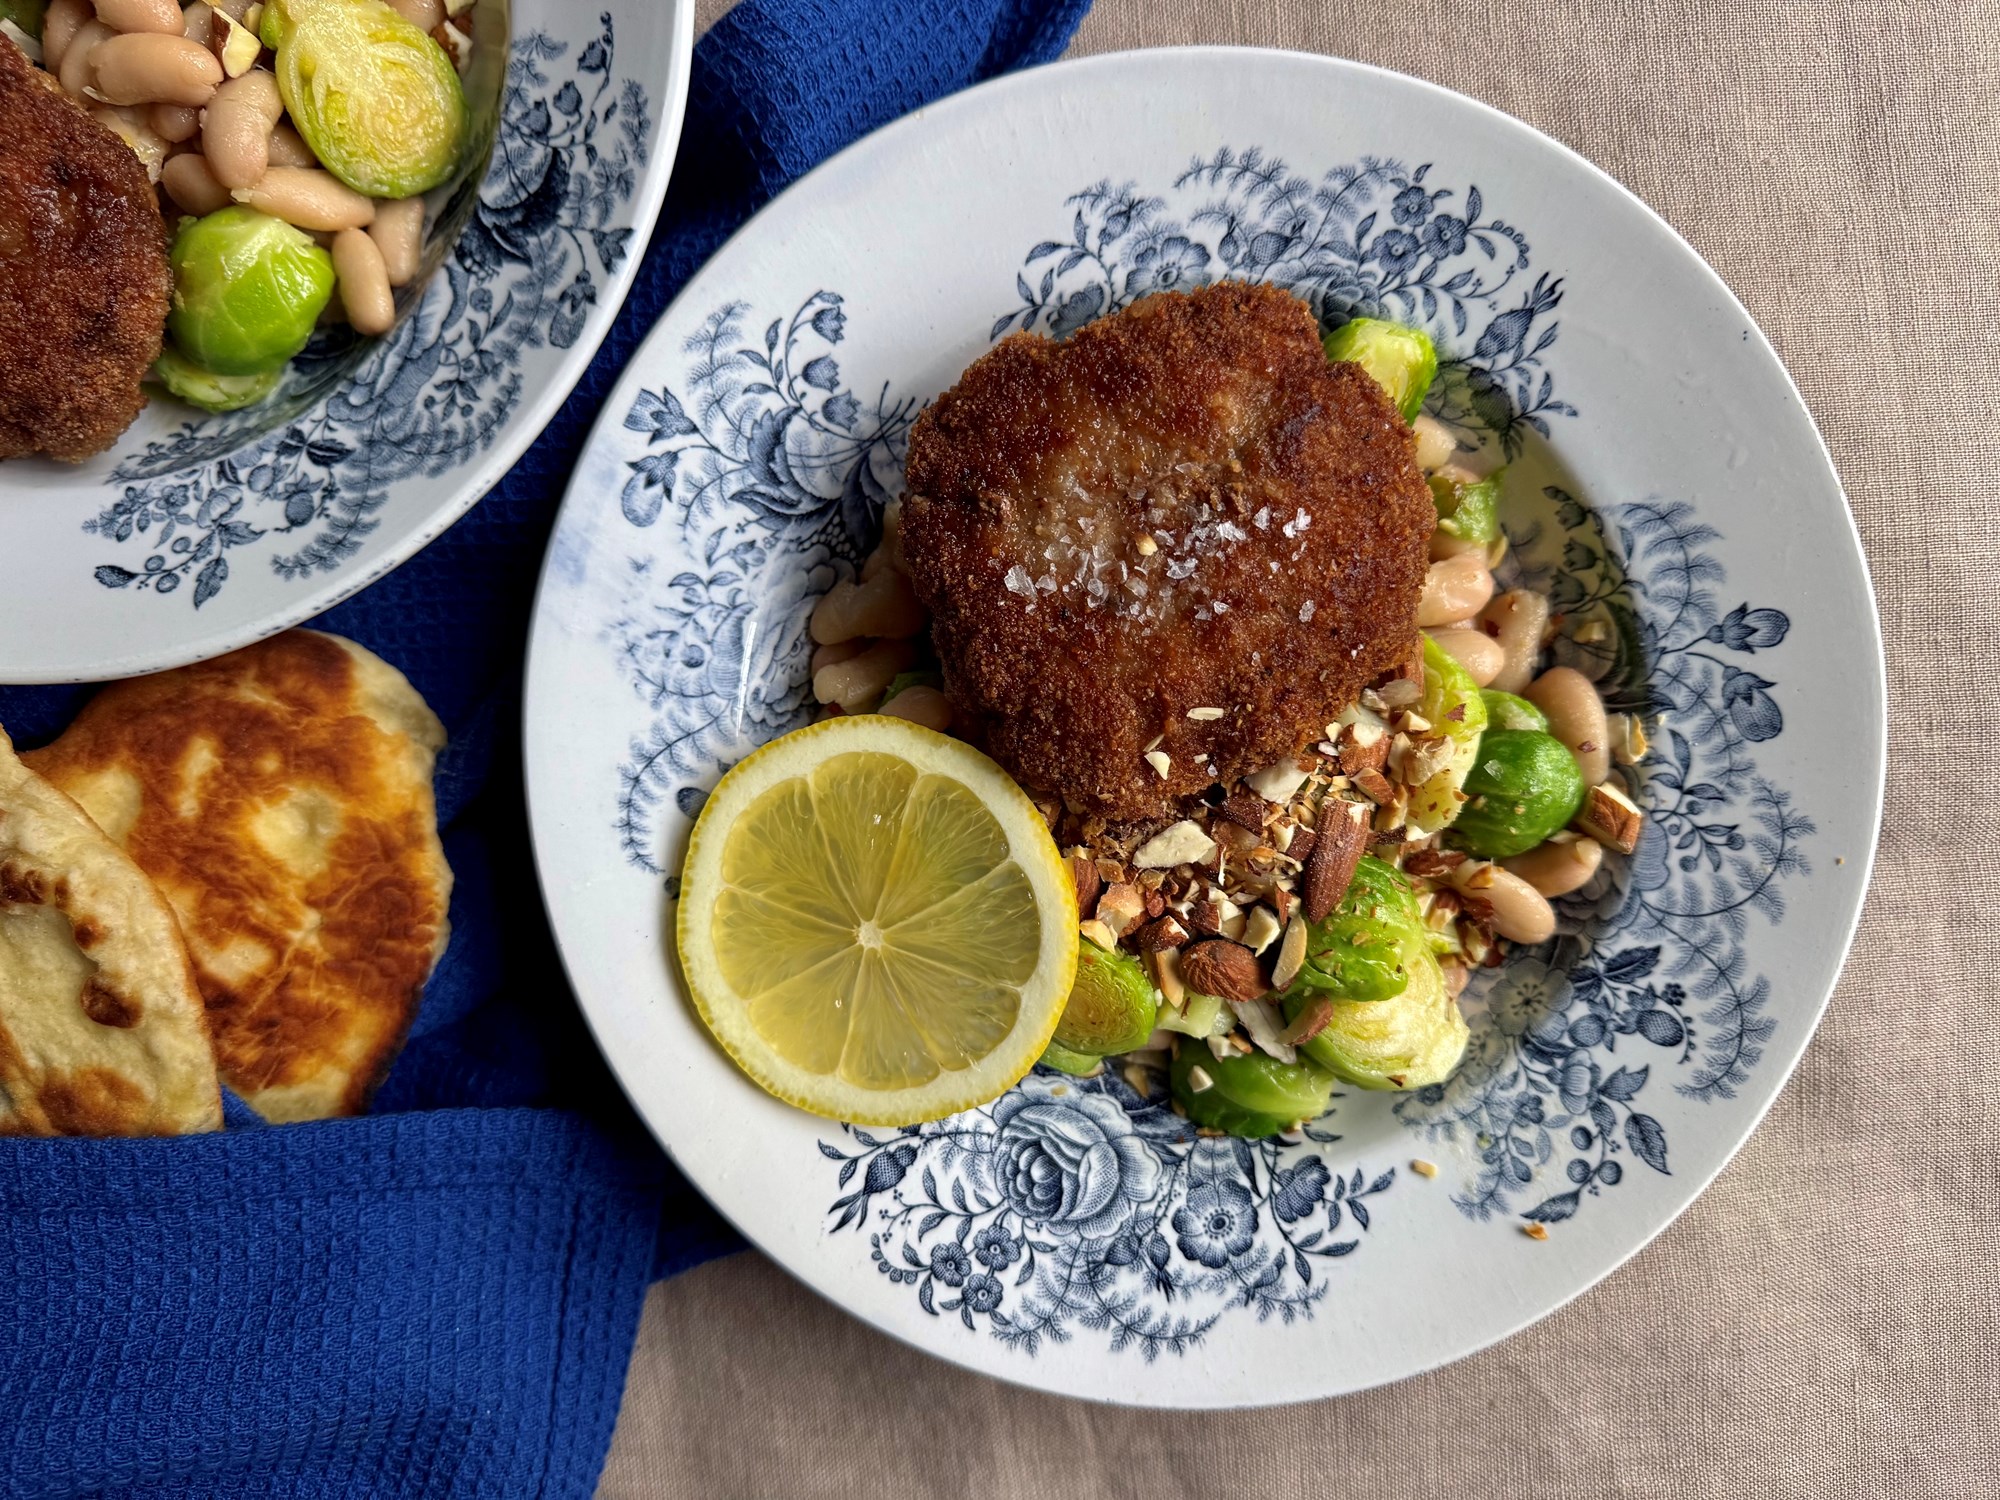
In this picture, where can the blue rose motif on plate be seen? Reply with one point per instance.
(1071, 1163)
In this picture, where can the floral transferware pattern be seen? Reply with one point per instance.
(1088, 1204)
(435, 392)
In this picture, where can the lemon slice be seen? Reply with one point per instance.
(874, 922)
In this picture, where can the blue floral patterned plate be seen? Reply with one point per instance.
(1666, 486)
(195, 535)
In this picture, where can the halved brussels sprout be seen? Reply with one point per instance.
(1365, 948)
(1470, 512)
(1063, 1060)
(1111, 1004)
(1408, 1042)
(208, 390)
(1453, 704)
(1202, 1015)
(1403, 360)
(1524, 785)
(1248, 1094)
(1505, 711)
(248, 289)
(377, 100)
(26, 14)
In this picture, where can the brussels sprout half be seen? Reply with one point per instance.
(1505, 711)
(212, 392)
(1063, 1060)
(248, 289)
(1248, 1094)
(1403, 360)
(1523, 786)
(1453, 704)
(374, 96)
(1112, 1004)
(26, 14)
(1408, 1042)
(1469, 512)
(1367, 947)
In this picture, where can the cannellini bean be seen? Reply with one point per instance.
(308, 198)
(883, 606)
(856, 683)
(163, 16)
(198, 24)
(925, 706)
(236, 10)
(398, 232)
(79, 59)
(826, 656)
(236, 128)
(191, 185)
(363, 282)
(877, 561)
(61, 22)
(1520, 912)
(1576, 717)
(1454, 589)
(1517, 620)
(288, 148)
(173, 122)
(1556, 869)
(423, 14)
(144, 67)
(1435, 442)
(1444, 544)
(1473, 650)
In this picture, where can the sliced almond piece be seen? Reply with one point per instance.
(1611, 817)
(1182, 843)
(1261, 929)
(1121, 907)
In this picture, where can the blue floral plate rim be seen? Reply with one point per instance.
(605, 557)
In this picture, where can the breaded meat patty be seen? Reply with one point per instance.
(83, 272)
(1181, 531)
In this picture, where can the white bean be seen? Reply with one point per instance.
(398, 232)
(1473, 650)
(884, 606)
(1435, 442)
(1454, 589)
(1520, 912)
(1576, 717)
(1517, 620)
(925, 706)
(1557, 869)
(61, 22)
(856, 683)
(364, 282)
(79, 67)
(198, 24)
(309, 198)
(174, 122)
(826, 656)
(423, 14)
(190, 184)
(163, 16)
(144, 67)
(236, 128)
(287, 148)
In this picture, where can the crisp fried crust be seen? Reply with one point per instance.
(1291, 527)
(83, 272)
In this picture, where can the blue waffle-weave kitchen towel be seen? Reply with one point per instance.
(439, 1299)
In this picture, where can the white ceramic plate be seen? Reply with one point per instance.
(195, 535)
(1665, 482)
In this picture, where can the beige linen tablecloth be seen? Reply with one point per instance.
(1825, 1321)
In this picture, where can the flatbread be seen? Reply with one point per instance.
(101, 1024)
(280, 797)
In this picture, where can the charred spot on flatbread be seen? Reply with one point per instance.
(280, 797)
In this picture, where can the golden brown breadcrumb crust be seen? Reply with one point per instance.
(83, 272)
(1182, 507)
